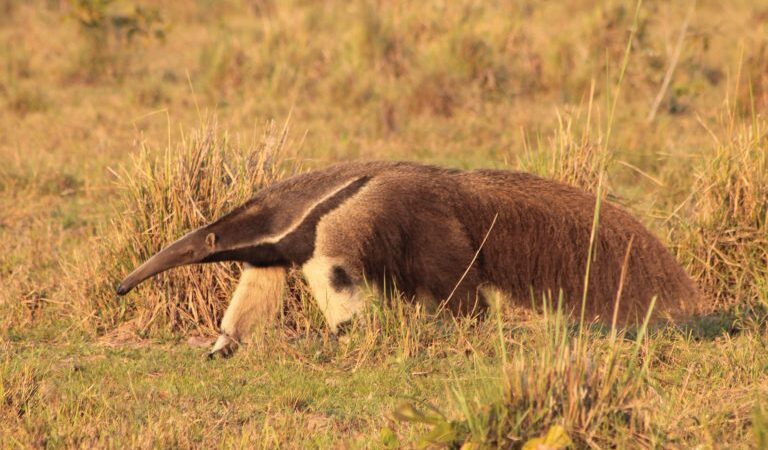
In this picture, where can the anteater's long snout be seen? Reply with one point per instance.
(188, 250)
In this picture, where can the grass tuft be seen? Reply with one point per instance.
(725, 244)
(574, 153)
(596, 389)
(164, 196)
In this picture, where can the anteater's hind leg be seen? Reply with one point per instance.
(456, 286)
(338, 296)
(462, 298)
(255, 304)
(446, 267)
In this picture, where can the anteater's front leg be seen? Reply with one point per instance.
(338, 296)
(254, 306)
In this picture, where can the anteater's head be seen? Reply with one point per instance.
(277, 227)
(236, 237)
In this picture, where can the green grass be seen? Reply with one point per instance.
(298, 391)
(314, 391)
(103, 112)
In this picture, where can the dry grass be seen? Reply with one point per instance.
(572, 154)
(726, 240)
(189, 185)
(99, 170)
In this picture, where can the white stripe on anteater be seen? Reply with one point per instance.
(296, 224)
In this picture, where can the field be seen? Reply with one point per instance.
(125, 123)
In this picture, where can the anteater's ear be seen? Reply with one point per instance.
(210, 241)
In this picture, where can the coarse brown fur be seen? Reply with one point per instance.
(419, 227)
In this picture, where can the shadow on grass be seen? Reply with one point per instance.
(731, 322)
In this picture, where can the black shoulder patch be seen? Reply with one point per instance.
(340, 280)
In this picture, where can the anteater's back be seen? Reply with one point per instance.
(541, 241)
(422, 224)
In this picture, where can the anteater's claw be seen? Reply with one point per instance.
(224, 347)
